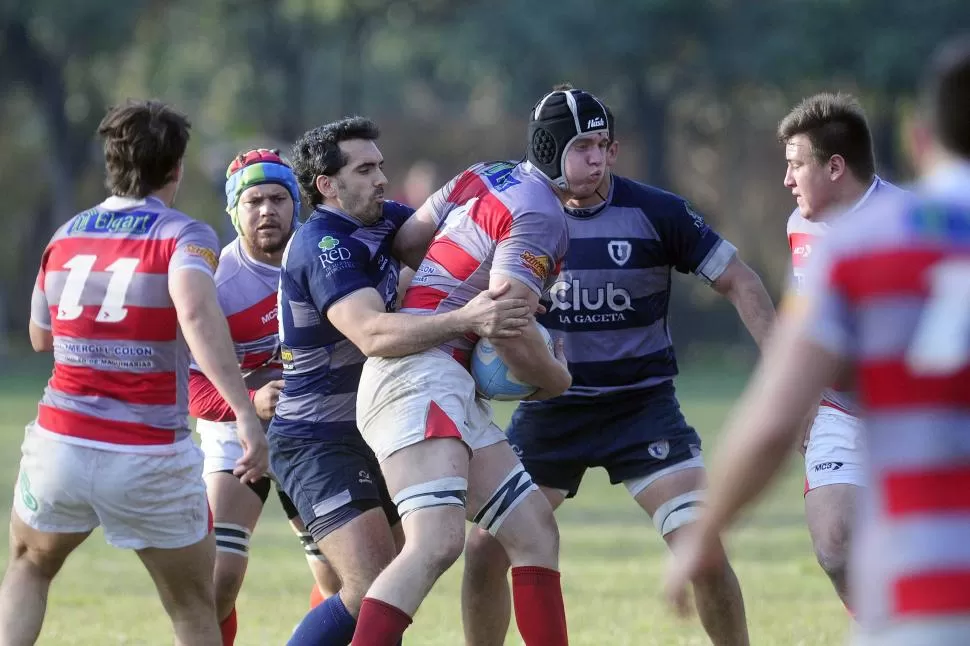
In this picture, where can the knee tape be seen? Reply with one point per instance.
(310, 547)
(678, 511)
(233, 539)
(513, 490)
(436, 493)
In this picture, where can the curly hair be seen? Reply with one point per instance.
(318, 152)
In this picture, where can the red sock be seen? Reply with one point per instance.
(380, 624)
(539, 611)
(228, 628)
(316, 596)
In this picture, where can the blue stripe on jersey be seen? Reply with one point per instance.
(621, 375)
(595, 253)
(610, 302)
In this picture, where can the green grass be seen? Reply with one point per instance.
(612, 560)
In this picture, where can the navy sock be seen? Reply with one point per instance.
(329, 624)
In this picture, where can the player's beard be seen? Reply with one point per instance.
(272, 245)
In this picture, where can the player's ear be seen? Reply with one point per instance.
(837, 167)
(326, 186)
(611, 152)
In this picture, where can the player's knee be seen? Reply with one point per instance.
(42, 563)
(227, 582)
(533, 537)
(484, 555)
(442, 506)
(831, 551)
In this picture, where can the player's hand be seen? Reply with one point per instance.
(254, 462)
(559, 352)
(266, 398)
(488, 317)
(693, 555)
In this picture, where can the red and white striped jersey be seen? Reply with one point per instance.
(494, 218)
(891, 293)
(121, 367)
(247, 294)
(803, 238)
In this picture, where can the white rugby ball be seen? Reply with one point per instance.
(492, 377)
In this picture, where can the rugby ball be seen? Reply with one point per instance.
(492, 377)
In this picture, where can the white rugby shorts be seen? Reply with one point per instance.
(835, 450)
(405, 400)
(140, 500)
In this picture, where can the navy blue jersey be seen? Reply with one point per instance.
(328, 258)
(610, 300)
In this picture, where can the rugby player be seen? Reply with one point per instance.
(887, 300)
(443, 458)
(123, 288)
(831, 164)
(609, 305)
(338, 289)
(263, 202)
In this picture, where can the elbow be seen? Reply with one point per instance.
(41, 345)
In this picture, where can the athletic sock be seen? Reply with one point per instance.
(380, 624)
(539, 611)
(228, 628)
(329, 624)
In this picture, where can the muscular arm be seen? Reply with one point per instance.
(362, 318)
(527, 356)
(412, 240)
(766, 421)
(41, 340)
(207, 335)
(742, 286)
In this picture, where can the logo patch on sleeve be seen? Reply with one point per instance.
(538, 265)
(208, 255)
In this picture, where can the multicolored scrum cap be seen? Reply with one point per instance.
(557, 120)
(259, 166)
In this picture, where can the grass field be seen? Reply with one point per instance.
(612, 560)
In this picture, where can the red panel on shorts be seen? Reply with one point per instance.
(932, 593)
(453, 258)
(928, 491)
(438, 424)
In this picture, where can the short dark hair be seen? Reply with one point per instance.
(144, 143)
(610, 121)
(834, 124)
(946, 96)
(318, 152)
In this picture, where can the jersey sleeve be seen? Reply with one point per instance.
(690, 244)
(196, 247)
(339, 269)
(440, 202)
(528, 251)
(40, 313)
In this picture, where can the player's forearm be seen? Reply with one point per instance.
(528, 358)
(206, 332)
(398, 335)
(754, 306)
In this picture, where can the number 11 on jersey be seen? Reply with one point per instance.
(113, 308)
